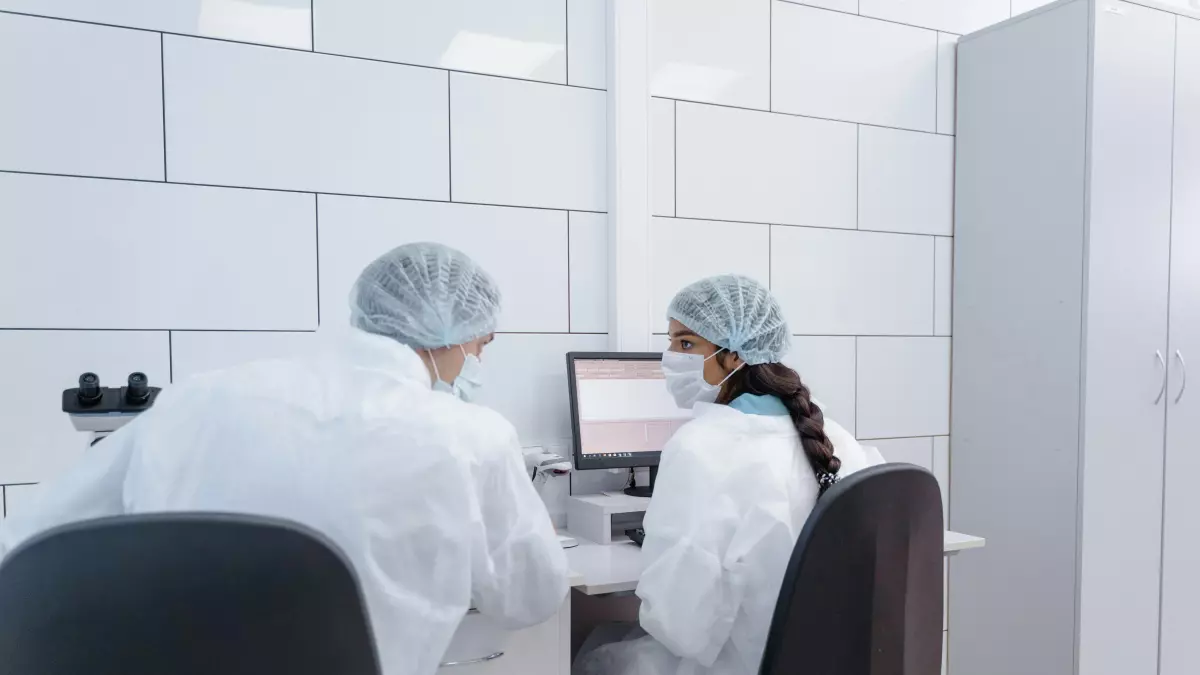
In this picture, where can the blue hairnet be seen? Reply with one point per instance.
(425, 296)
(736, 313)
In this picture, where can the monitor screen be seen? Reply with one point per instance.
(623, 410)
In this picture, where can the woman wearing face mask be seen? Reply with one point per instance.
(734, 488)
(370, 442)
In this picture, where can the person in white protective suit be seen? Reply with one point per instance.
(371, 443)
(735, 486)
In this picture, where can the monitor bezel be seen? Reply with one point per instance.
(582, 462)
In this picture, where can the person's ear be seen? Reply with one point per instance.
(730, 361)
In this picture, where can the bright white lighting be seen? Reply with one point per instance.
(261, 21)
(498, 54)
(692, 80)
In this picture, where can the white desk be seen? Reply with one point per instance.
(597, 569)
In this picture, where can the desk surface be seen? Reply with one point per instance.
(597, 569)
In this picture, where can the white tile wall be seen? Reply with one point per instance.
(943, 284)
(903, 386)
(525, 250)
(517, 38)
(712, 51)
(587, 49)
(258, 117)
(662, 156)
(954, 16)
(589, 272)
(826, 366)
(527, 383)
(195, 352)
(234, 271)
(850, 6)
(755, 166)
(686, 250)
(79, 99)
(826, 64)
(918, 451)
(39, 440)
(121, 255)
(941, 469)
(527, 144)
(905, 181)
(834, 282)
(286, 23)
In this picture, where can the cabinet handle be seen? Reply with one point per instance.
(1182, 387)
(1163, 389)
(482, 659)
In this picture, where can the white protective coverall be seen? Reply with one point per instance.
(733, 492)
(425, 494)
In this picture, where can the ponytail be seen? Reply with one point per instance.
(776, 379)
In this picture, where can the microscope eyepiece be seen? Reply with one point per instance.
(138, 390)
(89, 389)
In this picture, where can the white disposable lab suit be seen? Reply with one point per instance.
(426, 495)
(733, 493)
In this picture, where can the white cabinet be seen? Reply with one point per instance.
(1076, 308)
(481, 648)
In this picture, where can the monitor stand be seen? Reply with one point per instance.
(643, 491)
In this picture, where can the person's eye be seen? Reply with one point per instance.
(686, 344)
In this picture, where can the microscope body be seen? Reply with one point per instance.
(102, 410)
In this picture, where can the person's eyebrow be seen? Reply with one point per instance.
(682, 333)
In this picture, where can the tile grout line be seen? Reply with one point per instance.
(423, 200)
(858, 13)
(170, 357)
(162, 77)
(43, 329)
(297, 49)
(803, 116)
(317, 248)
(568, 271)
(675, 158)
(449, 138)
(312, 26)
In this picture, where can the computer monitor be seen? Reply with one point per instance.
(621, 412)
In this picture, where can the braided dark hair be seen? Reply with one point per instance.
(776, 379)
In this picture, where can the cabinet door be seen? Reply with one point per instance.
(1126, 334)
(1181, 499)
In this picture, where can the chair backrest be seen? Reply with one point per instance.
(182, 594)
(863, 591)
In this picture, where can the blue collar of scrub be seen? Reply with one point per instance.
(752, 404)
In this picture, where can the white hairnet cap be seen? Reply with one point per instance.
(426, 296)
(736, 313)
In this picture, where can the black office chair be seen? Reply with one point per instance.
(863, 591)
(182, 594)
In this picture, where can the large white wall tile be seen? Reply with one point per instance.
(755, 166)
(826, 366)
(17, 498)
(905, 181)
(943, 271)
(517, 38)
(258, 117)
(947, 67)
(903, 386)
(833, 282)
(715, 51)
(527, 144)
(527, 383)
(918, 451)
(684, 251)
(662, 156)
(38, 440)
(286, 23)
(954, 16)
(525, 251)
(587, 43)
(195, 352)
(844, 67)
(589, 272)
(119, 254)
(79, 99)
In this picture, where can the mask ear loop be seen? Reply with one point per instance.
(433, 362)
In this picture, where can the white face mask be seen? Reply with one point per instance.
(469, 381)
(685, 378)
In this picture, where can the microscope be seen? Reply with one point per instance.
(102, 410)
